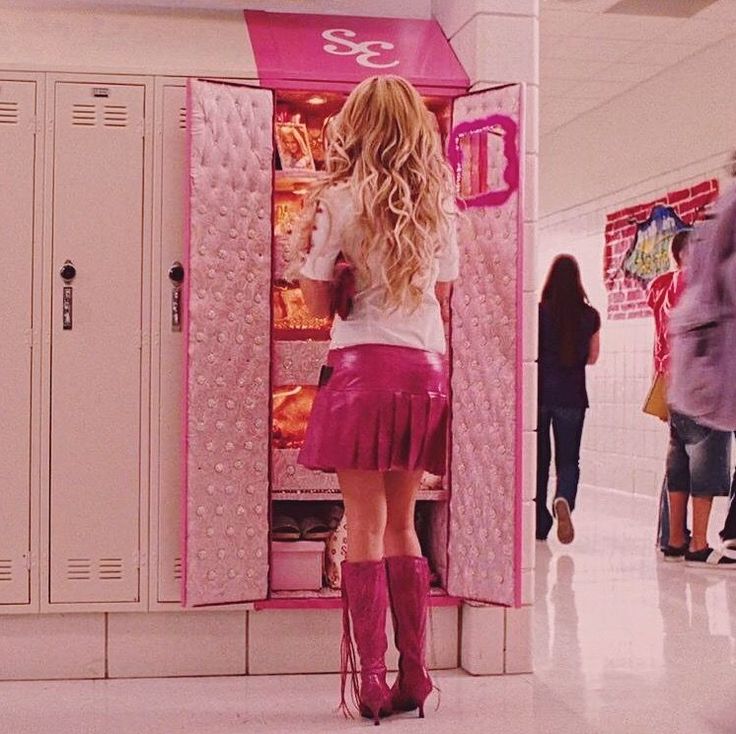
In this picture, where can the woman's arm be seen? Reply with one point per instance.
(594, 350)
(317, 296)
(443, 291)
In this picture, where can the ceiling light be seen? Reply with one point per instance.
(316, 100)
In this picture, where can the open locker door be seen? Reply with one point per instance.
(484, 549)
(227, 323)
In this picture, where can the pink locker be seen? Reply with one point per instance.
(98, 355)
(477, 534)
(18, 183)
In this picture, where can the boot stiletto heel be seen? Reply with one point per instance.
(408, 582)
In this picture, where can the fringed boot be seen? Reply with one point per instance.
(365, 600)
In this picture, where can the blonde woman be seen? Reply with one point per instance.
(380, 416)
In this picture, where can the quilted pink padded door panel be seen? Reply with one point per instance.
(485, 506)
(228, 325)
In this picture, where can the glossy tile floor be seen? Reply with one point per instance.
(624, 644)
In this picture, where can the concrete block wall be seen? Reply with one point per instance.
(497, 42)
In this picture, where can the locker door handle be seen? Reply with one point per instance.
(176, 276)
(176, 273)
(68, 272)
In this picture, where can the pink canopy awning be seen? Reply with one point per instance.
(294, 50)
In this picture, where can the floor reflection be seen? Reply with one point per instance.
(621, 635)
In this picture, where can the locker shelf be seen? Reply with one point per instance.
(300, 335)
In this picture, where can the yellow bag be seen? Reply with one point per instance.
(656, 402)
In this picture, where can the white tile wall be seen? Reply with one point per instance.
(530, 395)
(530, 465)
(528, 521)
(482, 647)
(519, 641)
(490, 49)
(50, 646)
(308, 641)
(176, 644)
(454, 15)
(531, 186)
(527, 586)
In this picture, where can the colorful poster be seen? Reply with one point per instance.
(638, 241)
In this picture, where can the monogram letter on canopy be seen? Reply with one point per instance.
(364, 51)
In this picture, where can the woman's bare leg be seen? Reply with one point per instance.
(365, 512)
(400, 537)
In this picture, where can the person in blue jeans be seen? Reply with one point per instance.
(569, 340)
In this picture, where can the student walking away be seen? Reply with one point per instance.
(569, 339)
(380, 417)
(702, 388)
(664, 293)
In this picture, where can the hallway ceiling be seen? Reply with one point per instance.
(593, 51)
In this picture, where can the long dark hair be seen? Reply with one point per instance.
(565, 299)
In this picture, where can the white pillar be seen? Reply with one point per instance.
(497, 41)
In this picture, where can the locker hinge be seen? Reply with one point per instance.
(28, 337)
(29, 563)
(36, 125)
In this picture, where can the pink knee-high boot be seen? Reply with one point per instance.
(365, 600)
(408, 583)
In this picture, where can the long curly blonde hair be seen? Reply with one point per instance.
(385, 144)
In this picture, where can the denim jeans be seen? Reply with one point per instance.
(567, 429)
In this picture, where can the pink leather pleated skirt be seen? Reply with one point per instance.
(380, 408)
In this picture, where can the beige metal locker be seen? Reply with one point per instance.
(17, 194)
(97, 318)
(170, 223)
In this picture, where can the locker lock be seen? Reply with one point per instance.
(176, 273)
(68, 271)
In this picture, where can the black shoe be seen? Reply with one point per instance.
(672, 553)
(709, 558)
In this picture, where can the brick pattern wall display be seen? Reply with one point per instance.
(627, 291)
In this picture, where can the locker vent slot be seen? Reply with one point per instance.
(116, 115)
(177, 569)
(182, 118)
(111, 569)
(8, 113)
(79, 569)
(6, 569)
(84, 115)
